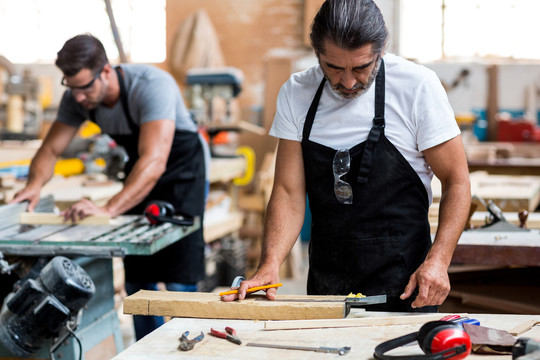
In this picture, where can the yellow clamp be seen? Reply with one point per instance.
(249, 155)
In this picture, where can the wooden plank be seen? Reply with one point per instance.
(227, 224)
(510, 193)
(311, 7)
(523, 327)
(32, 218)
(210, 306)
(354, 322)
(226, 169)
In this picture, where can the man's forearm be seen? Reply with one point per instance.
(283, 223)
(453, 211)
(138, 184)
(41, 168)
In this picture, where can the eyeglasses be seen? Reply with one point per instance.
(341, 166)
(84, 87)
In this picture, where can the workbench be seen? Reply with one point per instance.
(504, 158)
(162, 343)
(503, 248)
(495, 271)
(93, 247)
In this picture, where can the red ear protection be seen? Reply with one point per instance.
(438, 340)
(158, 212)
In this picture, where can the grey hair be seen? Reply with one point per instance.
(349, 24)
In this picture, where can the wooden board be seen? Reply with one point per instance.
(367, 321)
(32, 218)
(210, 306)
(510, 193)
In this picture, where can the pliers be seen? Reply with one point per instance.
(186, 344)
(229, 335)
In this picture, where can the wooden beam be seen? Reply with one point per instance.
(210, 306)
(523, 327)
(32, 218)
(353, 322)
(492, 107)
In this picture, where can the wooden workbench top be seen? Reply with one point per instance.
(163, 342)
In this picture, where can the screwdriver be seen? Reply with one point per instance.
(341, 351)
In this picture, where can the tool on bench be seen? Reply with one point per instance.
(458, 319)
(253, 289)
(341, 351)
(349, 302)
(525, 349)
(186, 344)
(230, 335)
(496, 220)
(158, 212)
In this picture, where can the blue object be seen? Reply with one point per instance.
(466, 320)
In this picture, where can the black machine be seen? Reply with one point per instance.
(44, 305)
(526, 349)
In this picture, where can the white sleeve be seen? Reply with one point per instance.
(285, 126)
(434, 116)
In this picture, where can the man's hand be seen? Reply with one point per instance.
(83, 209)
(260, 278)
(433, 284)
(29, 193)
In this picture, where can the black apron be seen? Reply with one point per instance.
(182, 185)
(373, 245)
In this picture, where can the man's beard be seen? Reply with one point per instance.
(361, 87)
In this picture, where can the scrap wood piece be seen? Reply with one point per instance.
(352, 322)
(524, 327)
(210, 306)
(32, 218)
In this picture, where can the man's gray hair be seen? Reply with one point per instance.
(349, 24)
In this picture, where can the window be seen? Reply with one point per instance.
(435, 29)
(36, 29)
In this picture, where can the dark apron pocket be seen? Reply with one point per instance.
(372, 266)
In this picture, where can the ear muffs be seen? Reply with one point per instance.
(438, 340)
(158, 212)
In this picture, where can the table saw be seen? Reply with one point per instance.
(92, 247)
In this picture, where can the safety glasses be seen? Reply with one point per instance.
(83, 88)
(341, 166)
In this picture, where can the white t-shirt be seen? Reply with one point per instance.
(417, 112)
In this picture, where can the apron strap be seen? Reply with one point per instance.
(376, 130)
(311, 112)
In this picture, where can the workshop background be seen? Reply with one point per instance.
(482, 51)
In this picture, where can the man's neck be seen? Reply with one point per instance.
(113, 90)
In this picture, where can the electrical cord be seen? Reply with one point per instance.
(72, 333)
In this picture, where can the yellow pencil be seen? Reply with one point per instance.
(253, 289)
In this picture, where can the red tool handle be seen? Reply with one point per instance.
(218, 334)
(230, 330)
